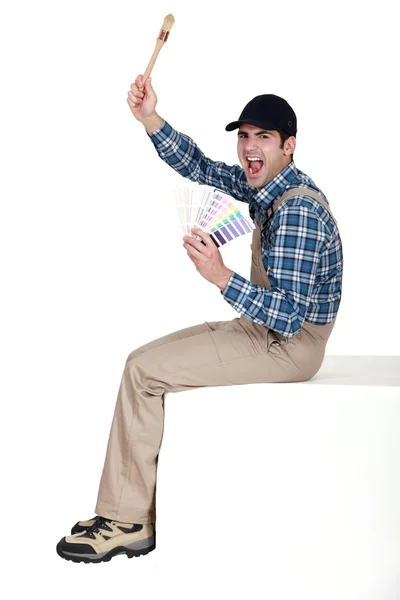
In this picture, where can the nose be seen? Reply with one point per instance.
(251, 144)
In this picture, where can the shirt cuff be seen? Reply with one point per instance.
(237, 294)
(161, 134)
(236, 282)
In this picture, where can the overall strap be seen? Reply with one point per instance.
(294, 192)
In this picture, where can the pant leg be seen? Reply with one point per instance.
(119, 432)
(211, 354)
(171, 337)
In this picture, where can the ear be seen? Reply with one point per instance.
(290, 146)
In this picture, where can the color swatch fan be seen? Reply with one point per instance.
(212, 211)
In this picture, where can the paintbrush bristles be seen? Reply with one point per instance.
(168, 22)
(162, 38)
(166, 28)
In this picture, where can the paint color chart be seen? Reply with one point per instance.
(212, 211)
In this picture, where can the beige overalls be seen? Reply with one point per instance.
(214, 353)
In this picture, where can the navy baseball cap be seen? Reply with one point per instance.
(268, 112)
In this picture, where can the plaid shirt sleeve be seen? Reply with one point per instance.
(181, 153)
(298, 238)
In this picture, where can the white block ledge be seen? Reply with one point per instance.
(358, 370)
(295, 484)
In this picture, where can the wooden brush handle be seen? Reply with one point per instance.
(150, 66)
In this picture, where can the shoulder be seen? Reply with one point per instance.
(302, 203)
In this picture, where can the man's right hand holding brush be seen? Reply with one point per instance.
(142, 102)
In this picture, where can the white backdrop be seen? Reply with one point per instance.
(93, 264)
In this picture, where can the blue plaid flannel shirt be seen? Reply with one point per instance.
(300, 246)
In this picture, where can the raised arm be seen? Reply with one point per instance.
(180, 152)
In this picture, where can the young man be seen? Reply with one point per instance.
(287, 311)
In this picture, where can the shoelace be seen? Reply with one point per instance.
(99, 521)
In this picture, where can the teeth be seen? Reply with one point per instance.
(252, 159)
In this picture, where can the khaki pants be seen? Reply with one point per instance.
(217, 353)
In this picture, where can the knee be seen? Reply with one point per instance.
(138, 351)
(131, 356)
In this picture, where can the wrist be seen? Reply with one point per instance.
(224, 281)
(152, 123)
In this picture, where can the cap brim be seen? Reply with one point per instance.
(236, 124)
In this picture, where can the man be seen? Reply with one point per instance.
(287, 311)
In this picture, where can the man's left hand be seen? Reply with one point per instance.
(207, 258)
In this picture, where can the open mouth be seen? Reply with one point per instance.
(254, 165)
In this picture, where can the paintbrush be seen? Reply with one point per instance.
(162, 38)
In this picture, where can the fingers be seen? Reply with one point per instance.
(135, 96)
(134, 100)
(192, 252)
(197, 245)
(205, 238)
(132, 104)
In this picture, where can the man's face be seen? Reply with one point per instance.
(255, 142)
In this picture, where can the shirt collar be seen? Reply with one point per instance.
(263, 199)
(275, 188)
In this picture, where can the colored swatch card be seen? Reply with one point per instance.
(212, 211)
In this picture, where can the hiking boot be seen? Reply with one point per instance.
(81, 526)
(106, 538)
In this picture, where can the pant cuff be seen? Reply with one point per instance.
(125, 515)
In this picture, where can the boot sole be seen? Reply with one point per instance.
(135, 549)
